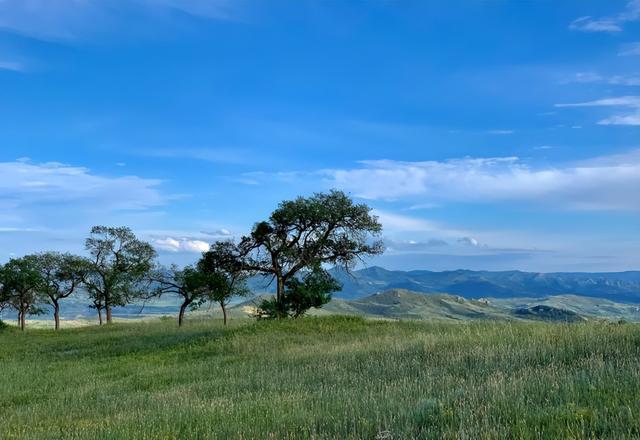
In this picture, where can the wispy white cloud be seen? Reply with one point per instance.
(500, 132)
(397, 223)
(13, 66)
(589, 24)
(618, 80)
(46, 197)
(73, 19)
(630, 49)
(53, 205)
(607, 183)
(608, 24)
(216, 155)
(630, 117)
(25, 183)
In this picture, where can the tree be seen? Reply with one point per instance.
(4, 293)
(307, 233)
(225, 274)
(60, 274)
(117, 268)
(21, 282)
(313, 290)
(189, 283)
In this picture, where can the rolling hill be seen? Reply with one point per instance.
(404, 304)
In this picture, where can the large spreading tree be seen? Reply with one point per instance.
(60, 276)
(307, 233)
(118, 267)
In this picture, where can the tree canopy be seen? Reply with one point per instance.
(60, 276)
(309, 232)
(118, 265)
(226, 273)
(21, 282)
(189, 283)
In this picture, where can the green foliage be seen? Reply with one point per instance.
(305, 233)
(21, 283)
(61, 275)
(3, 325)
(189, 283)
(312, 291)
(225, 271)
(118, 265)
(322, 378)
(218, 276)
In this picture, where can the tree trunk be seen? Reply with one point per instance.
(99, 314)
(19, 317)
(108, 309)
(56, 314)
(280, 291)
(22, 320)
(183, 307)
(224, 312)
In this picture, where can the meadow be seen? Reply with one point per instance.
(330, 377)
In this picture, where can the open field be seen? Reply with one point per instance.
(329, 377)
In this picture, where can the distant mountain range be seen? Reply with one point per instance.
(619, 286)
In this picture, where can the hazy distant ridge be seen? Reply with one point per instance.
(616, 286)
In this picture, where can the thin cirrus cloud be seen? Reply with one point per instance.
(617, 80)
(214, 155)
(606, 183)
(630, 103)
(73, 19)
(630, 49)
(13, 66)
(589, 24)
(611, 24)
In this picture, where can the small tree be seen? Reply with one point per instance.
(117, 268)
(307, 233)
(225, 272)
(312, 291)
(60, 274)
(191, 284)
(21, 283)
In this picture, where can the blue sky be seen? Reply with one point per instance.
(486, 134)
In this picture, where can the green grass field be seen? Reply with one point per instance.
(327, 377)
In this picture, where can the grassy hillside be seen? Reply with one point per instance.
(330, 377)
(403, 304)
(585, 306)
